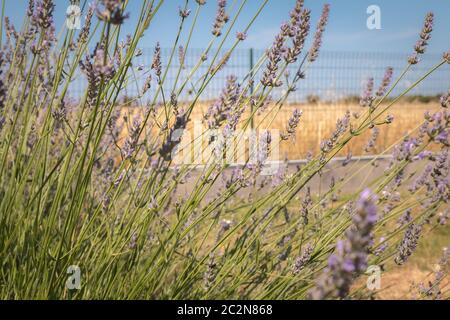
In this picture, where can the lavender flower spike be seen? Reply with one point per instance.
(445, 100)
(314, 52)
(221, 18)
(84, 34)
(133, 139)
(302, 260)
(173, 139)
(30, 8)
(350, 257)
(274, 54)
(367, 97)
(296, 16)
(156, 64)
(44, 13)
(386, 82)
(424, 38)
(408, 244)
(299, 34)
(111, 11)
(292, 125)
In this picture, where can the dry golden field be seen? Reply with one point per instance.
(317, 123)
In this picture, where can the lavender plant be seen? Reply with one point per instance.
(142, 225)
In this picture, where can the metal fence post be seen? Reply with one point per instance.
(251, 64)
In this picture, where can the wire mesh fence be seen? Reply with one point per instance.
(334, 76)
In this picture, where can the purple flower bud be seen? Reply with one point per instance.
(445, 100)
(241, 36)
(446, 56)
(184, 13)
(131, 142)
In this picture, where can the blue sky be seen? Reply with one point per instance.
(351, 53)
(401, 22)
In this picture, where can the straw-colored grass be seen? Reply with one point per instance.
(317, 123)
